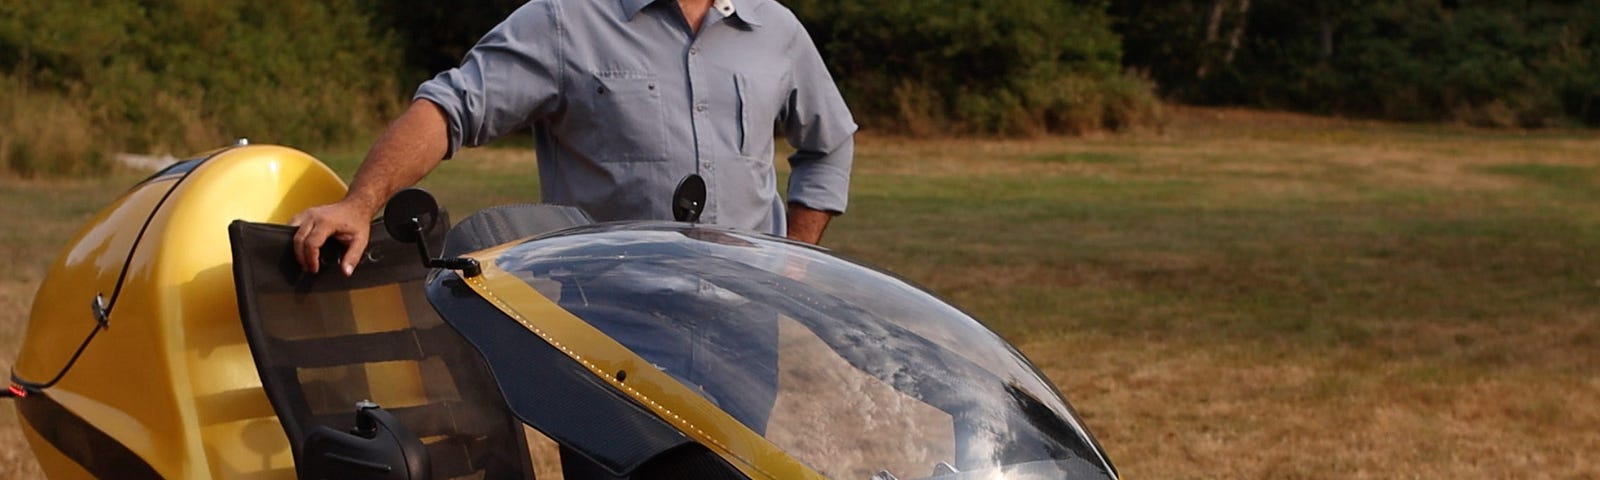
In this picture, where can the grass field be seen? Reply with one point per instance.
(1241, 294)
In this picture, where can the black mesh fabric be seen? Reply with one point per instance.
(324, 342)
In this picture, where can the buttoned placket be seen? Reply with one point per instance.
(700, 116)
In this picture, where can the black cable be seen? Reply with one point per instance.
(31, 387)
(102, 309)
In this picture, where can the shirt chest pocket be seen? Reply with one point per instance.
(759, 101)
(624, 120)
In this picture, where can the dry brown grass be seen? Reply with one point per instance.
(1178, 410)
(16, 461)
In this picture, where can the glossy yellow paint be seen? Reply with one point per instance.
(604, 357)
(171, 378)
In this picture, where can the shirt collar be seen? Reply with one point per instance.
(728, 8)
(732, 8)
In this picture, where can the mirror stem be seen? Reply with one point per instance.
(469, 267)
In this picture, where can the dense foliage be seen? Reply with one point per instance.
(1021, 66)
(1517, 63)
(82, 77)
(433, 35)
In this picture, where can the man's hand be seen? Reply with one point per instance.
(346, 222)
(410, 148)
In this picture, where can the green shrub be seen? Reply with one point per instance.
(183, 75)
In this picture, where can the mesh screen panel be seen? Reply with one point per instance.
(323, 342)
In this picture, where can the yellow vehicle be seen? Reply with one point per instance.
(176, 337)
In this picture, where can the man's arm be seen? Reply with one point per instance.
(806, 224)
(819, 125)
(411, 147)
(509, 78)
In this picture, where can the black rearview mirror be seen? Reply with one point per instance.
(689, 199)
(413, 211)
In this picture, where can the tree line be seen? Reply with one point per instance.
(1522, 63)
(78, 76)
(1031, 66)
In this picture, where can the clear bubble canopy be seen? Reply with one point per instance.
(850, 370)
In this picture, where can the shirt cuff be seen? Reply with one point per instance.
(822, 182)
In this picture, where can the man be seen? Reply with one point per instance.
(625, 98)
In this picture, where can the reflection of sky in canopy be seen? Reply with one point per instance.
(879, 324)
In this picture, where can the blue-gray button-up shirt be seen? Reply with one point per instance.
(624, 101)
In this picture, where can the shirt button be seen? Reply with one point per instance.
(705, 165)
(700, 107)
(694, 50)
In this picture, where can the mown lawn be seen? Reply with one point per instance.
(1240, 294)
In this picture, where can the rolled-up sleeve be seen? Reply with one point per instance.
(511, 78)
(819, 126)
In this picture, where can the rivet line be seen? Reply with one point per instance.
(659, 408)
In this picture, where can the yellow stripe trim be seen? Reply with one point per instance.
(668, 399)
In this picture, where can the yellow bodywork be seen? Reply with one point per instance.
(171, 378)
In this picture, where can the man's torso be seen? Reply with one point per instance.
(648, 103)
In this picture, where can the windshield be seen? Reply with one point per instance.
(850, 370)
